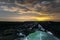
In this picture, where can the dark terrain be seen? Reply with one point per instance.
(10, 30)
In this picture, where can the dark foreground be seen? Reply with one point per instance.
(12, 30)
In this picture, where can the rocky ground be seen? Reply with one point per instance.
(19, 30)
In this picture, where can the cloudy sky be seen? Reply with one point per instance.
(40, 11)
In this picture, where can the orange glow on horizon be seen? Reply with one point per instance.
(47, 18)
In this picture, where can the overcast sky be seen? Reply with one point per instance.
(28, 12)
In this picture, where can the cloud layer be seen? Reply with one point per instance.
(38, 11)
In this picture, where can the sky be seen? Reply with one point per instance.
(40, 11)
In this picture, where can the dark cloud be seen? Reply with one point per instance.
(38, 9)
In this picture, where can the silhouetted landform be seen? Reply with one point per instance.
(11, 30)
